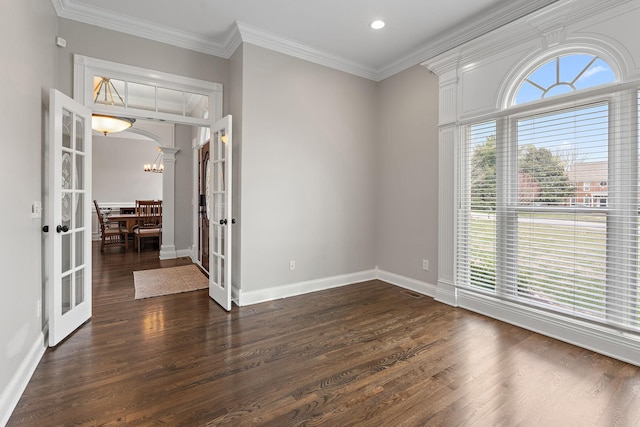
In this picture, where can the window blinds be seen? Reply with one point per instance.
(548, 207)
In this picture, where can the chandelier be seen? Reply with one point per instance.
(158, 164)
(106, 124)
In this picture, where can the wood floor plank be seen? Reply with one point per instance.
(368, 354)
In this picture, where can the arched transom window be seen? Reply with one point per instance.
(548, 208)
(564, 74)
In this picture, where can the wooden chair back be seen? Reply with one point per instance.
(149, 213)
(110, 234)
(149, 221)
(100, 219)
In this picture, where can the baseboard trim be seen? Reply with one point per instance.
(593, 337)
(446, 293)
(295, 289)
(18, 383)
(407, 283)
(168, 252)
(235, 295)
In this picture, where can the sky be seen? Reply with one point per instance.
(564, 74)
(576, 135)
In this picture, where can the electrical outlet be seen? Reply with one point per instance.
(425, 264)
(292, 265)
(39, 309)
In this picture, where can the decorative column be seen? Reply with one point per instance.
(168, 248)
(446, 68)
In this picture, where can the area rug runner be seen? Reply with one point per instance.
(165, 281)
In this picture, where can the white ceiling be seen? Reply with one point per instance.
(330, 32)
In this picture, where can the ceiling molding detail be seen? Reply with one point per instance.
(137, 27)
(253, 35)
(233, 41)
(536, 25)
(492, 19)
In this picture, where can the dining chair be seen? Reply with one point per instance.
(111, 234)
(149, 223)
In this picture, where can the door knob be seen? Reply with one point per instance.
(45, 228)
(233, 221)
(223, 222)
(62, 228)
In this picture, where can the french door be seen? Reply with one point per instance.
(68, 237)
(219, 201)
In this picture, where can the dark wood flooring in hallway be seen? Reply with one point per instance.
(368, 354)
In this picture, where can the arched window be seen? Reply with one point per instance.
(549, 196)
(564, 74)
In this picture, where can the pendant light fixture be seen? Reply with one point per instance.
(158, 164)
(106, 124)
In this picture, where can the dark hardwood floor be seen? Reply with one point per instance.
(369, 354)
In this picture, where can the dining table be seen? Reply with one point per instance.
(128, 219)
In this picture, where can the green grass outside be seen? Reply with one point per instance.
(548, 275)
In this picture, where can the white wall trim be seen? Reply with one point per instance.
(255, 36)
(168, 252)
(423, 288)
(93, 15)
(493, 18)
(235, 295)
(475, 79)
(194, 255)
(294, 289)
(18, 383)
(85, 68)
(600, 339)
(446, 293)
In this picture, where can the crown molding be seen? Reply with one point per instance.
(233, 41)
(254, 35)
(547, 25)
(77, 11)
(492, 19)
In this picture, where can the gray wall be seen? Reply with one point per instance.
(118, 174)
(407, 175)
(308, 170)
(27, 72)
(184, 187)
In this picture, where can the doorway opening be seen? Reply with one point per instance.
(159, 98)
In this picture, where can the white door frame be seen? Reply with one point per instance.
(197, 143)
(85, 68)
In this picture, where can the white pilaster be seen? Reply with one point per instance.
(445, 291)
(168, 248)
(447, 70)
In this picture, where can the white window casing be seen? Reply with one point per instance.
(586, 291)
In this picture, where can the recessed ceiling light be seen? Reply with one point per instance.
(378, 24)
